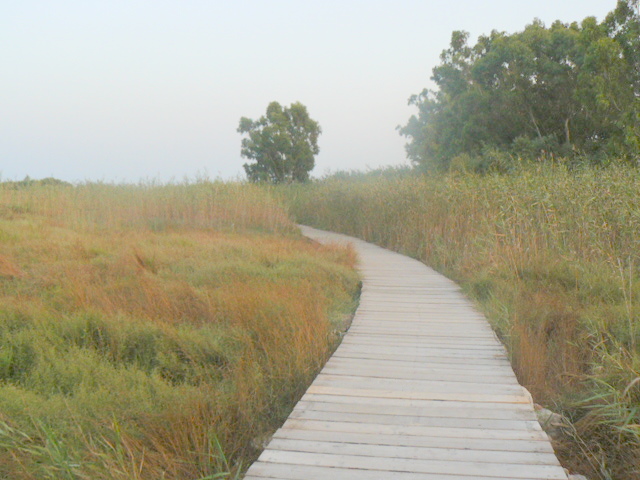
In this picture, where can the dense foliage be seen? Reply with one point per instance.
(281, 143)
(568, 89)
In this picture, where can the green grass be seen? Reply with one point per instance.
(550, 254)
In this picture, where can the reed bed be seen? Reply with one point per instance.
(551, 254)
(156, 331)
(148, 206)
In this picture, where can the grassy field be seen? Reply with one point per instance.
(552, 256)
(155, 331)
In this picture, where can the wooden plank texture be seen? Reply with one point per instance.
(420, 388)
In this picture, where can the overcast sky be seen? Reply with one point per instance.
(127, 90)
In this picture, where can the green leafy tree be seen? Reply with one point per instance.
(282, 144)
(568, 89)
(623, 26)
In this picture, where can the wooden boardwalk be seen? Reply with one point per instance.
(420, 388)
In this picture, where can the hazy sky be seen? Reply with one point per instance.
(123, 90)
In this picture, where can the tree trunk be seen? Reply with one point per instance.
(567, 132)
(535, 124)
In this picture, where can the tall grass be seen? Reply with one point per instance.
(552, 255)
(148, 206)
(155, 332)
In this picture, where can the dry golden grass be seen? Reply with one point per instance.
(152, 332)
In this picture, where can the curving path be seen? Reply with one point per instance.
(420, 388)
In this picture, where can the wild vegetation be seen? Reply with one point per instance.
(155, 331)
(551, 254)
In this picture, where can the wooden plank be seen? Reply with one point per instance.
(551, 472)
(425, 334)
(482, 444)
(425, 359)
(409, 347)
(415, 411)
(491, 368)
(427, 314)
(417, 430)
(412, 420)
(262, 470)
(425, 350)
(423, 337)
(413, 452)
(437, 328)
(471, 396)
(431, 318)
(391, 404)
(421, 374)
(401, 385)
(438, 337)
(409, 375)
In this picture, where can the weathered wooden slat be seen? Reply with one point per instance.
(431, 333)
(367, 338)
(411, 452)
(385, 369)
(309, 472)
(425, 359)
(402, 363)
(390, 404)
(509, 471)
(371, 341)
(433, 329)
(480, 444)
(420, 395)
(413, 420)
(528, 432)
(426, 350)
(392, 384)
(419, 374)
(429, 408)
(490, 367)
(419, 389)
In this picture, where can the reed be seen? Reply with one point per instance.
(550, 254)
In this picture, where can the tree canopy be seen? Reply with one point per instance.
(282, 144)
(567, 89)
